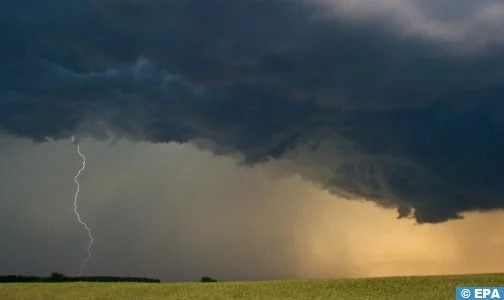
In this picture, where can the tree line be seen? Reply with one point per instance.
(58, 277)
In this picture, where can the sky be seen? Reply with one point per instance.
(174, 212)
(253, 139)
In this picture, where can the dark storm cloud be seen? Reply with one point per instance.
(411, 120)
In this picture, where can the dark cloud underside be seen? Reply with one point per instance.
(409, 118)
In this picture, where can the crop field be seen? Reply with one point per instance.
(424, 287)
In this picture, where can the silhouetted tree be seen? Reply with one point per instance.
(207, 279)
(55, 276)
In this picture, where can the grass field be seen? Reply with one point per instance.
(429, 287)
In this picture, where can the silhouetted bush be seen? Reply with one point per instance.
(207, 279)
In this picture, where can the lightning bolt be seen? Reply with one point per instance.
(76, 198)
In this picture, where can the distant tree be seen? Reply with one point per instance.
(55, 276)
(207, 279)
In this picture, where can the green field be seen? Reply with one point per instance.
(428, 287)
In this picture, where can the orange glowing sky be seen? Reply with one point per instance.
(366, 240)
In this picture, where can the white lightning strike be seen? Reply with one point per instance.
(76, 197)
